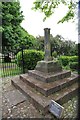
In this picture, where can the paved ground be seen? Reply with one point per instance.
(16, 105)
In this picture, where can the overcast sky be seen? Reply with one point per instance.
(33, 22)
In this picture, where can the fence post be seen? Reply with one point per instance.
(23, 67)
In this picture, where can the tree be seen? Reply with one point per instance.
(28, 41)
(48, 7)
(11, 19)
(58, 44)
(40, 43)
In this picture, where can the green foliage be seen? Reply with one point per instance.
(67, 59)
(54, 54)
(73, 59)
(28, 41)
(58, 44)
(31, 57)
(66, 67)
(11, 30)
(48, 7)
(40, 43)
(64, 60)
(73, 65)
(13, 35)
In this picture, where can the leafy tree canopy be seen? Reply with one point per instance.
(11, 19)
(13, 35)
(58, 44)
(28, 41)
(48, 7)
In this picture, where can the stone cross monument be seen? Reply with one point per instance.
(48, 65)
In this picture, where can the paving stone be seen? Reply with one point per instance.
(14, 97)
(7, 87)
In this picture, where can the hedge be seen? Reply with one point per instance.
(73, 59)
(66, 59)
(74, 65)
(54, 54)
(31, 57)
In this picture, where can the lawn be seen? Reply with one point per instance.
(9, 69)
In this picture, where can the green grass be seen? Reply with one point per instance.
(9, 69)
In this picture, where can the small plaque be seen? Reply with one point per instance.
(56, 109)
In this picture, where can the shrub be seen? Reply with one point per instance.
(73, 65)
(31, 57)
(73, 59)
(64, 60)
(54, 54)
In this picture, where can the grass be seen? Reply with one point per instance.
(9, 69)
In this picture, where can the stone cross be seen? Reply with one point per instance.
(47, 45)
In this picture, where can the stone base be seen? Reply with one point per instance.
(47, 82)
(41, 102)
(48, 66)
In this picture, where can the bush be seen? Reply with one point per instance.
(31, 57)
(67, 59)
(64, 60)
(73, 59)
(54, 54)
(73, 65)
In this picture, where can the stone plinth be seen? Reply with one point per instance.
(48, 66)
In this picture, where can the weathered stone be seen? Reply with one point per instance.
(49, 77)
(48, 67)
(14, 97)
(47, 45)
(47, 89)
(41, 102)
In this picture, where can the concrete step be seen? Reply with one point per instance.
(49, 77)
(48, 88)
(40, 101)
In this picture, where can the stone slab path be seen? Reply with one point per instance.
(14, 97)
(16, 105)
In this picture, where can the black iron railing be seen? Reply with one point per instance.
(9, 66)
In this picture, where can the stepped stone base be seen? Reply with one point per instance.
(51, 77)
(48, 88)
(47, 82)
(40, 101)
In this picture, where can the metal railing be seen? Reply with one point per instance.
(9, 66)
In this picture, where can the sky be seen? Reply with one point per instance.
(34, 25)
